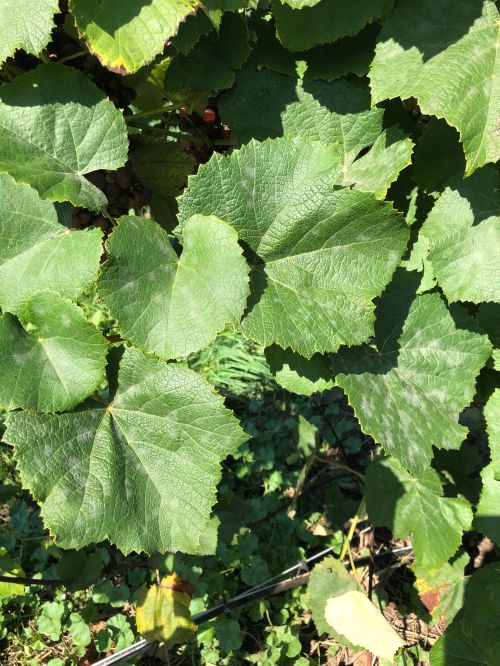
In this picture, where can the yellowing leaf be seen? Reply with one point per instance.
(163, 612)
(354, 616)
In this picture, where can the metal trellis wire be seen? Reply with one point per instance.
(267, 588)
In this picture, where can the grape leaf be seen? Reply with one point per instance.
(462, 238)
(446, 55)
(39, 253)
(481, 620)
(99, 471)
(340, 608)
(298, 374)
(380, 166)
(163, 167)
(168, 305)
(125, 36)
(56, 126)
(415, 506)
(163, 612)
(325, 22)
(320, 255)
(26, 25)
(454, 648)
(266, 104)
(487, 519)
(210, 66)
(442, 590)
(409, 388)
(55, 363)
(350, 55)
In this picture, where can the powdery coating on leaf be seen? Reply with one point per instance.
(265, 104)
(462, 237)
(409, 388)
(325, 22)
(354, 616)
(446, 55)
(56, 364)
(38, 253)
(168, 305)
(411, 506)
(320, 254)
(126, 36)
(142, 472)
(25, 25)
(56, 126)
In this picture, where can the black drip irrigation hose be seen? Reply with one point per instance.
(257, 592)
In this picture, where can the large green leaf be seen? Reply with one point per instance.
(446, 55)
(56, 126)
(55, 361)
(325, 22)
(266, 104)
(163, 167)
(415, 506)
(141, 472)
(37, 252)
(409, 387)
(168, 305)
(125, 36)
(319, 255)
(25, 25)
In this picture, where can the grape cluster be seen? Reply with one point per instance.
(123, 191)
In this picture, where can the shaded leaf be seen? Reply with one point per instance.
(163, 167)
(415, 506)
(298, 374)
(325, 22)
